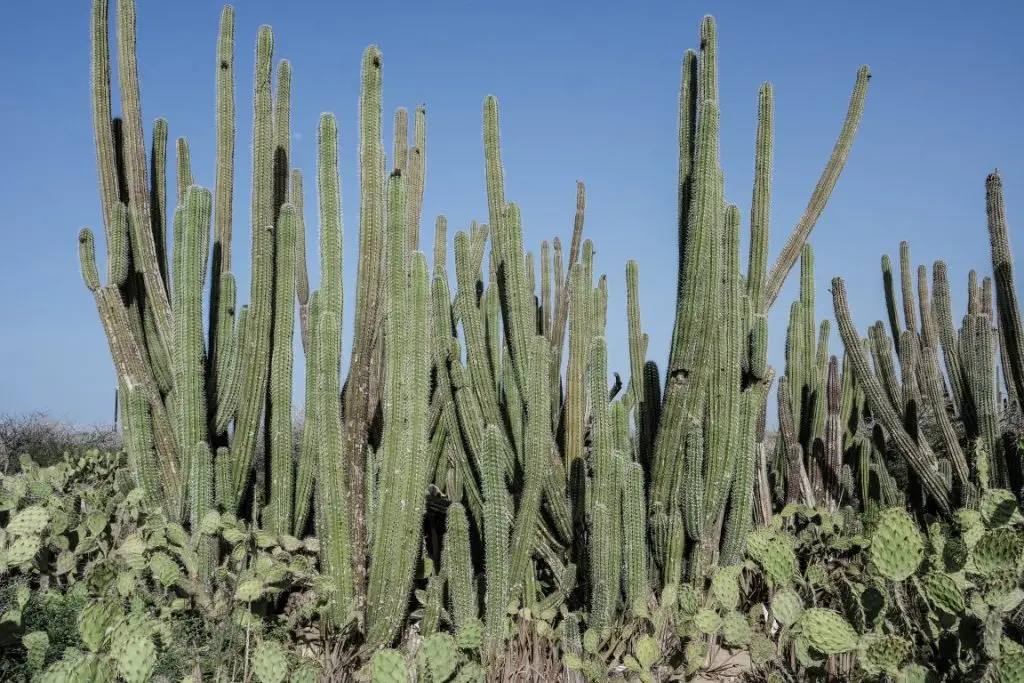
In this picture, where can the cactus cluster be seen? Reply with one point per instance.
(456, 496)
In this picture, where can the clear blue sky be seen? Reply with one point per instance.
(587, 91)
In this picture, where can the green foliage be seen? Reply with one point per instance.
(454, 503)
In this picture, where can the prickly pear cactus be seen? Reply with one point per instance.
(438, 656)
(787, 608)
(725, 586)
(735, 629)
(471, 635)
(996, 549)
(388, 666)
(270, 662)
(828, 631)
(93, 622)
(1009, 669)
(137, 660)
(896, 545)
(775, 555)
(36, 643)
(943, 592)
(998, 508)
(882, 654)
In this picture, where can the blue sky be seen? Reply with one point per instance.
(587, 91)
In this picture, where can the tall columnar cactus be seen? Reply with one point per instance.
(704, 377)
(459, 394)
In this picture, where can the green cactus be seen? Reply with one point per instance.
(458, 564)
(270, 662)
(897, 548)
(828, 631)
(438, 657)
(388, 666)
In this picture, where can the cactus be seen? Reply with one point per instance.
(388, 666)
(458, 564)
(270, 662)
(896, 545)
(828, 631)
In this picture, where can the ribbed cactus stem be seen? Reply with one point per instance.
(575, 383)
(700, 229)
(202, 502)
(257, 339)
(135, 165)
(1008, 307)
(605, 573)
(406, 437)
(189, 356)
(279, 400)
(141, 454)
(634, 535)
(923, 467)
(332, 520)
(822, 191)
(457, 564)
(943, 315)
(535, 465)
(496, 537)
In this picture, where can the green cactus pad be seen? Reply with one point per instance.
(471, 672)
(137, 660)
(696, 654)
(996, 549)
(913, 673)
(882, 654)
(735, 629)
(36, 643)
(828, 631)
(438, 654)
(999, 584)
(688, 604)
(971, 525)
(23, 549)
(817, 575)
(1010, 669)
(762, 649)
(471, 635)
(647, 652)
(943, 592)
(270, 662)
(778, 561)
(165, 570)
(93, 621)
(708, 621)
(725, 587)
(388, 666)
(998, 507)
(787, 607)
(896, 546)
(29, 522)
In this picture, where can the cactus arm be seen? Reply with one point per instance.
(360, 391)
(187, 356)
(535, 464)
(257, 337)
(951, 356)
(1010, 325)
(279, 399)
(417, 168)
(915, 456)
(331, 517)
(308, 453)
(457, 563)
(822, 191)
